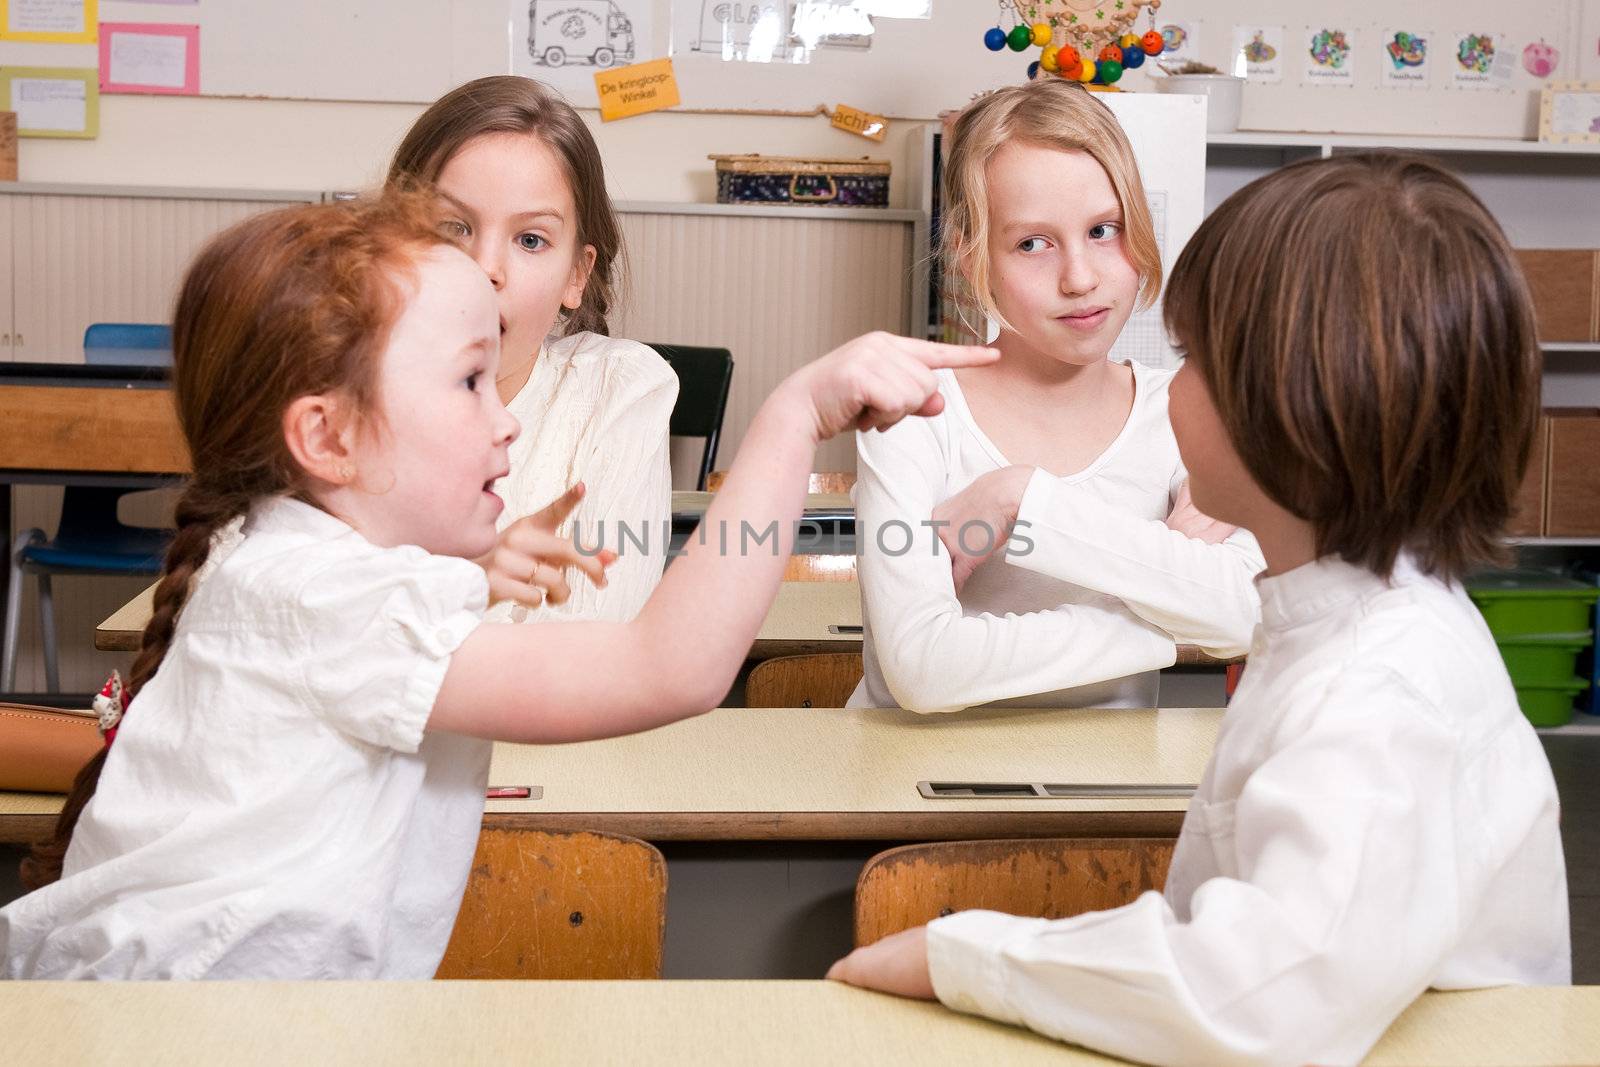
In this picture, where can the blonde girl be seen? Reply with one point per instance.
(1053, 556)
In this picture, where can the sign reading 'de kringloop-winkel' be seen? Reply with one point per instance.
(634, 90)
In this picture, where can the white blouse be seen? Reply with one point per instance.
(1086, 606)
(272, 807)
(596, 409)
(1377, 818)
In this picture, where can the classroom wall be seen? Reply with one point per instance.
(234, 143)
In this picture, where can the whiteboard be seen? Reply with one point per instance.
(414, 50)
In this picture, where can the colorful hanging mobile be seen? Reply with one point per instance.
(1091, 41)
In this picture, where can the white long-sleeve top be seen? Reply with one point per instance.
(596, 409)
(273, 806)
(1377, 818)
(1088, 604)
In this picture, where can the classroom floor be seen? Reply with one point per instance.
(1576, 762)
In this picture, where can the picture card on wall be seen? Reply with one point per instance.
(1180, 40)
(1258, 53)
(1482, 59)
(52, 101)
(1330, 55)
(149, 57)
(49, 21)
(1404, 57)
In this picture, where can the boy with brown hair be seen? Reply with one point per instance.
(1378, 818)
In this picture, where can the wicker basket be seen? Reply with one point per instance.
(757, 179)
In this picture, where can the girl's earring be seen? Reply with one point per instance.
(346, 472)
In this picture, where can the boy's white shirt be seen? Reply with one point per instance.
(1377, 818)
(1086, 617)
(272, 807)
(596, 409)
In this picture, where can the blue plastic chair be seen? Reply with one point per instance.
(89, 540)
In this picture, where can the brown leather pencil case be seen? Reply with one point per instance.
(42, 749)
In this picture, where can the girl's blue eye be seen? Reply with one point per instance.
(1105, 231)
(1031, 244)
(531, 242)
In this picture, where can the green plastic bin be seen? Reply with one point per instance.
(1533, 659)
(1550, 703)
(1519, 603)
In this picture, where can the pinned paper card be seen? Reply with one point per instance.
(635, 90)
(1482, 61)
(1258, 53)
(52, 101)
(1405, 58)
(1330, 56)
(864, 123)
(1180, 42)
(49, 21)
(8, 146)
(149, 57)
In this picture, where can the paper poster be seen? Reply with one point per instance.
(1571, 113)
(53, 21)
(53, 101)
(1541, 59)
(775, 31)
(149, 57)
(1181, 42)
(1481, 61)
(1330, 56)
(635, 90)
(564, 43)
(1405, 62)
(1258, 53)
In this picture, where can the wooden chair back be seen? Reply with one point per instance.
(819, 567)
(820, 681)
(1050, 878)
(560, 904)
(819, 482)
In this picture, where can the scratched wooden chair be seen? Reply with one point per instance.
(1050, 878)
(820, 681)
(819, 482)
(820, 567)
(813, 566)
(560, 904)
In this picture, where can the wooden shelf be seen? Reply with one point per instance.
(1554, 542)
(1582, 725)
(1327, 142)
(1592, 347)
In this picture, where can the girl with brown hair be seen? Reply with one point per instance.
(1378, 817)
(522, 190)
(297, 786)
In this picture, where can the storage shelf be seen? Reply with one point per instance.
(1328, 141)
(1572, 346)
(1581, 726)
(1555, 542)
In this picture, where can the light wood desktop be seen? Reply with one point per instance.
(665, 1023)
(806, 617)
(766, 815)
(811, 774)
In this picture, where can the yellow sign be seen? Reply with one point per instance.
(628, 91)
(50, 21)
(870, 126)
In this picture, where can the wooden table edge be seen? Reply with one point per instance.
(848, 826)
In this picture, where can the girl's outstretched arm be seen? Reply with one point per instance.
(570, 681)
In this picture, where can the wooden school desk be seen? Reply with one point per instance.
(806, 617)
(666, 1023)
(766, 815)
(70, 424)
